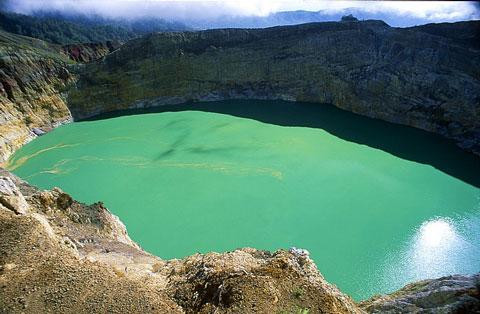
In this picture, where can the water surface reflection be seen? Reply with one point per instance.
(439, 247)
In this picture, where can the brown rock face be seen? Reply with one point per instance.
(249, 280)
(89, 52)
(426, 77)
(451, 294)
(11, 197)
(32, 78)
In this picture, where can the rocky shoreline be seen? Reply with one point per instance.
(60, 255)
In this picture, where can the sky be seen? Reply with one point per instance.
(430, 11)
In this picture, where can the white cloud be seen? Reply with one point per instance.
(191, 9)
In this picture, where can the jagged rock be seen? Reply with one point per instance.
(11, 197)
(299, 252)
(32, 79)
(89, 52)
(451, 294)
(249, 280)
(38, 131)
(63, 200)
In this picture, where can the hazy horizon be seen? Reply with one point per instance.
(233, 13)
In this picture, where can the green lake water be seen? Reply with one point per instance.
(191, 181)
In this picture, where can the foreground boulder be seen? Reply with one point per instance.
(451, 294)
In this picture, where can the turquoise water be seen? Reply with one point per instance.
(186, 182)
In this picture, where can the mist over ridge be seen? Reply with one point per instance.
(249, 13)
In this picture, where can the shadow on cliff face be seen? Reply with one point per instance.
(402, 141)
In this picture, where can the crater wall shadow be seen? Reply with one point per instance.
(399, 140)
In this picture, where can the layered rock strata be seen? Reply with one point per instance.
(450, 294)
(33, 78)
(89, 52)
(426, 77)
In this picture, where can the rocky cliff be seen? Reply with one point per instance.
(426, 77)
(89, 52)
(63, 256)
(33, 77)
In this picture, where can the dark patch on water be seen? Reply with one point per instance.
(167, 153)
(399, 140)
(215, 150)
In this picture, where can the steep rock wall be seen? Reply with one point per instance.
(89, 52)
(32, 78)
(424, 77)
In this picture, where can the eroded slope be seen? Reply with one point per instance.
(32, 78)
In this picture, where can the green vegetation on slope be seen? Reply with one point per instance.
(12, 42)
(68, 30)
(58, 31)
